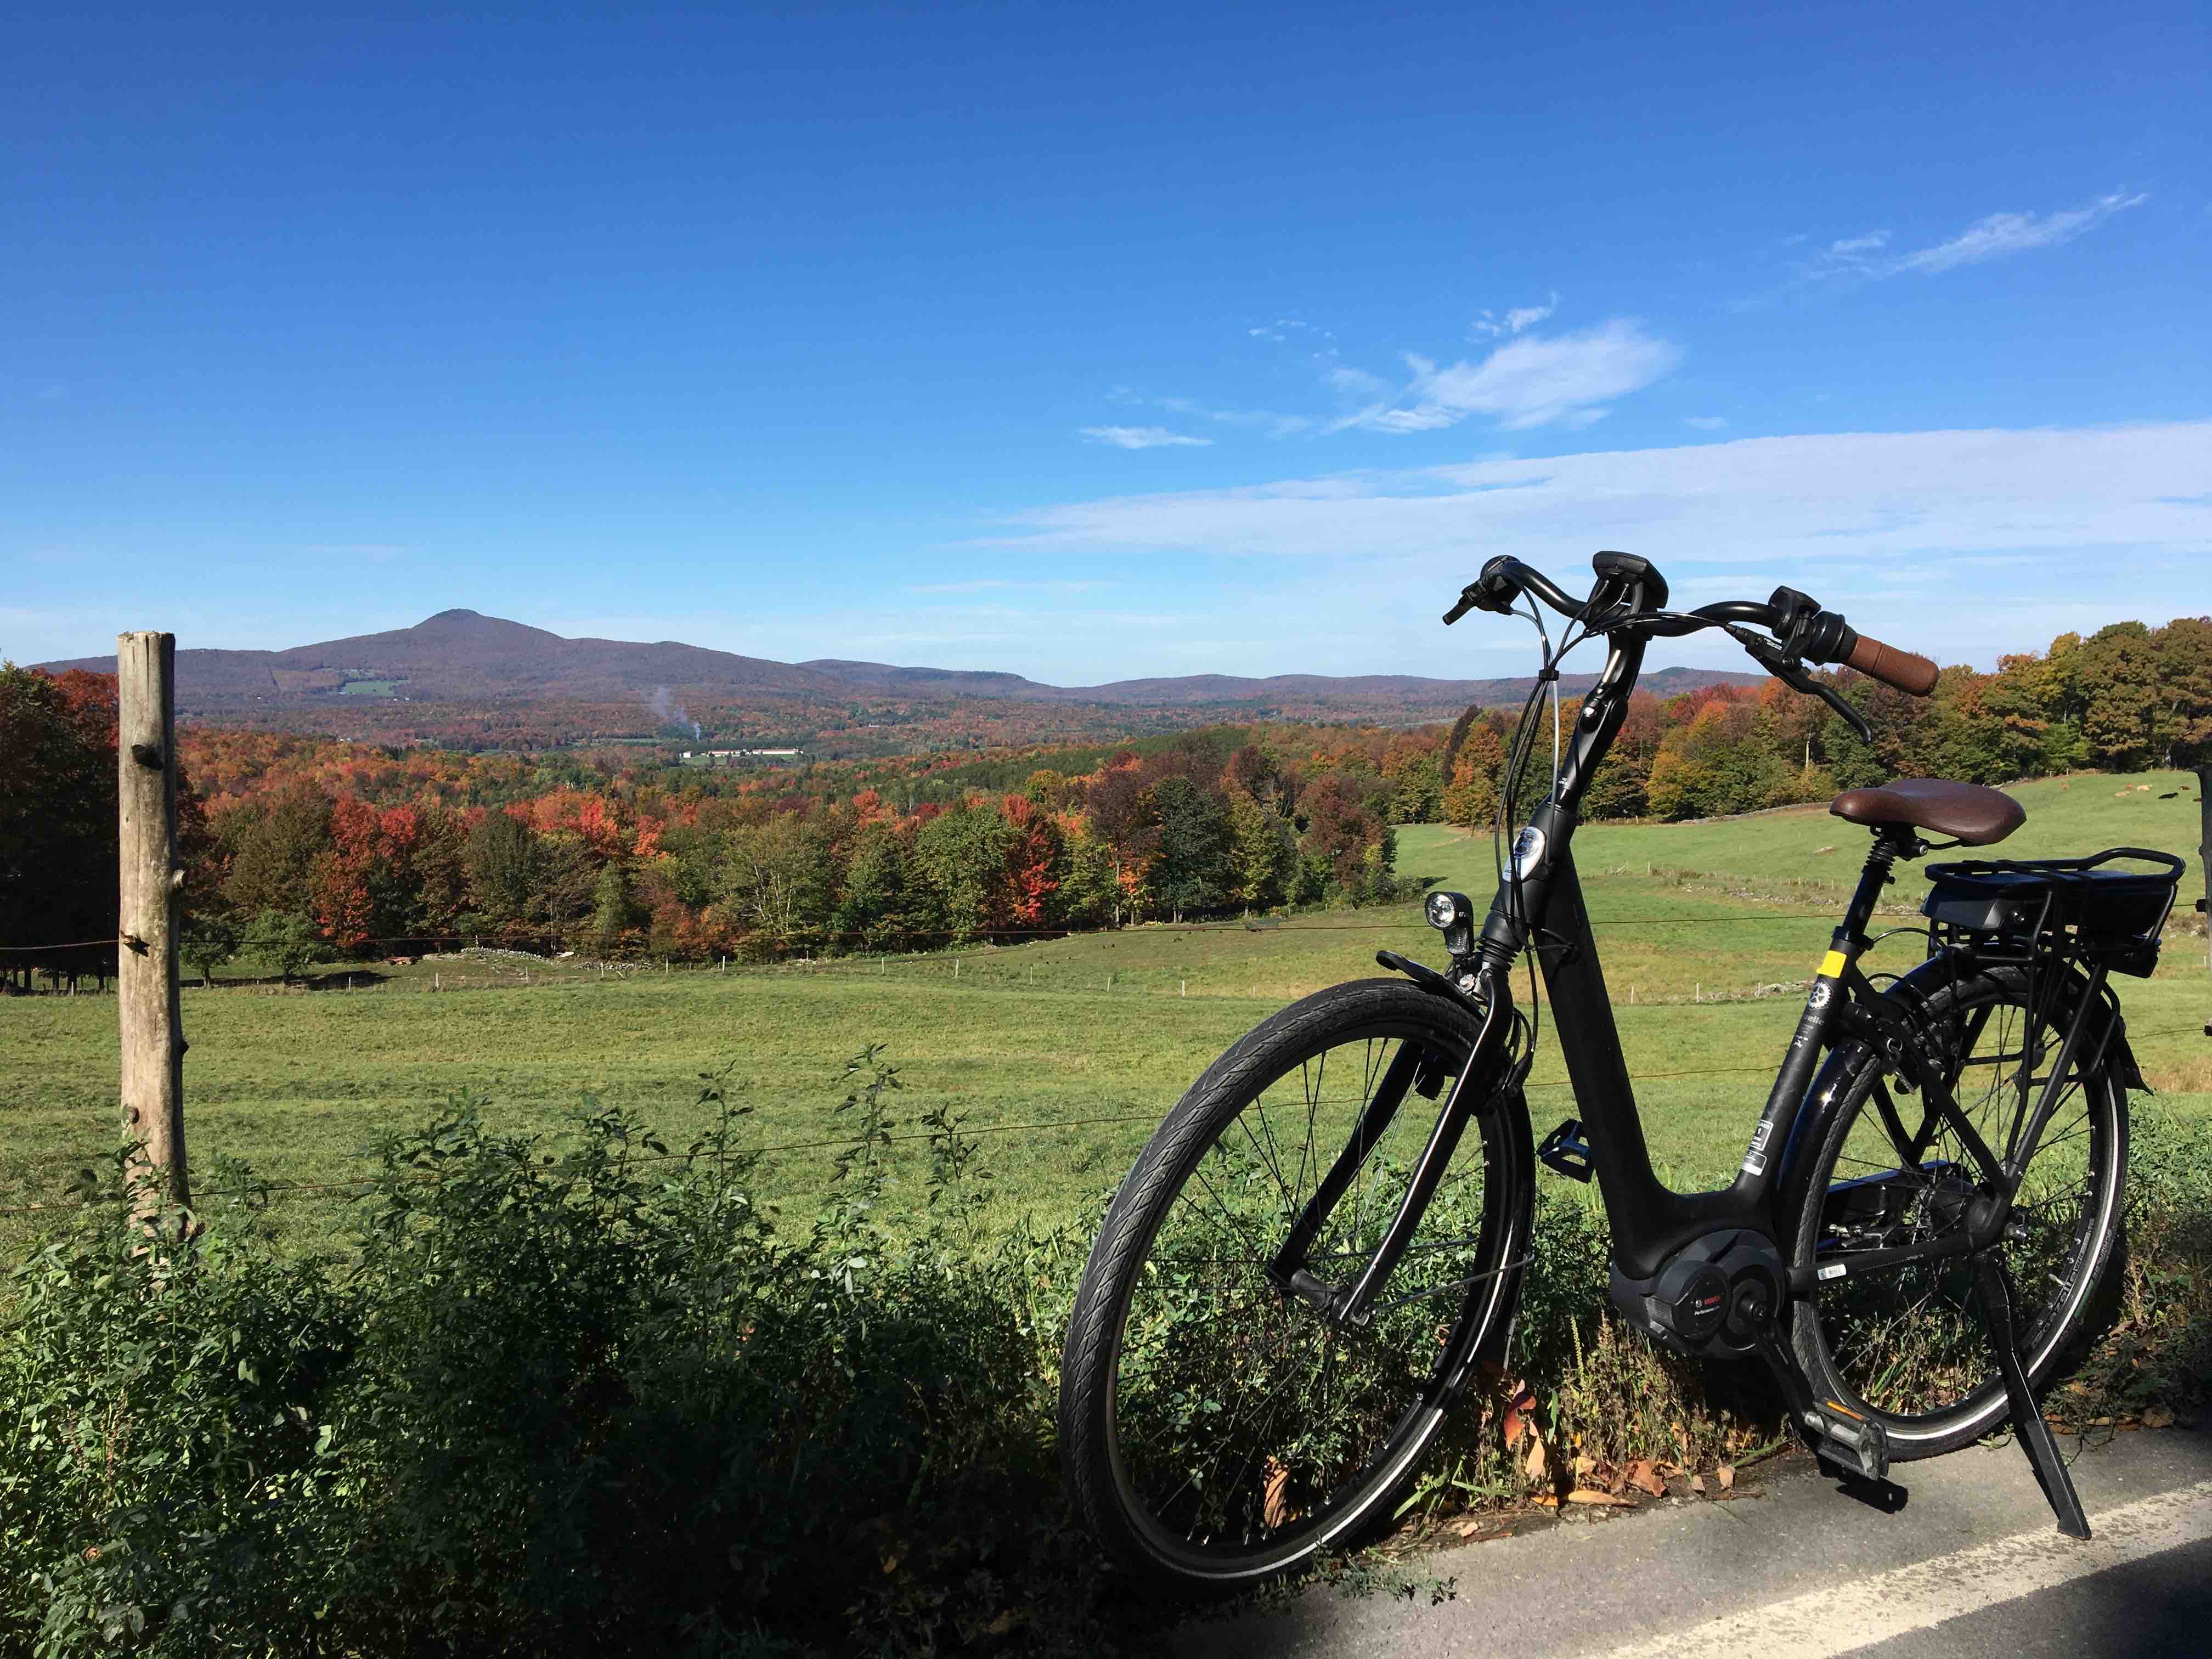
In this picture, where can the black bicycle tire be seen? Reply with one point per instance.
(1844, 1086)
(1092, 1349)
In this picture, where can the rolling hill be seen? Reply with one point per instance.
(463, 674)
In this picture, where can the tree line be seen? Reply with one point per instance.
(305, 846)
(1186, 833)
(2123, 699)
(657, 862)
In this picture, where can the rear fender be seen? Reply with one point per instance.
(1895, 1024)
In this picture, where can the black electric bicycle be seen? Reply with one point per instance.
(1299, 1276)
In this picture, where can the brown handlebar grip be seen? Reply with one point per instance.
(1891, 666)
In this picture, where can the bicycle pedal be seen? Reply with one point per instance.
(1566, 1150)
(1843, 1437)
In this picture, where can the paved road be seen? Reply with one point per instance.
(1970, 1567)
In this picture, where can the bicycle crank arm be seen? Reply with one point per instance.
(1857, 1445)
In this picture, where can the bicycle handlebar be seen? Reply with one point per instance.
(1891, 666)
(1502, 581)
(1805, 632)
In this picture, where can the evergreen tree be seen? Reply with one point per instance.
(1262, 853)
(1190, 868)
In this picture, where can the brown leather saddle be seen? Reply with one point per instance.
(1965, 812)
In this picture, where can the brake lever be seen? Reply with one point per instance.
(1793, 674)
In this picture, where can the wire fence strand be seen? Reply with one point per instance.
(290, 1189)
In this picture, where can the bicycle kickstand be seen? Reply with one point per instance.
(1995, 1287)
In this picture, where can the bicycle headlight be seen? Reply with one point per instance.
(1450, 915)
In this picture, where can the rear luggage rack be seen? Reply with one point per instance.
(2068, 906)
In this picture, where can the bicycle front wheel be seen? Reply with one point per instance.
(1215, 1427)
(1911, 1347)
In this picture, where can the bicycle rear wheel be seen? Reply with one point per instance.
(1909, 1347)
(1216, 1428)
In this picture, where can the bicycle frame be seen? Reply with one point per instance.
(1541, 900)
(1717, 1272)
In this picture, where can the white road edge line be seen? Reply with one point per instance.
(1821, 1623)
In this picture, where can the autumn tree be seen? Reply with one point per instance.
(1470, 797)
(1033, 855)
(1339, 830)
(1410, 764)
(58, 873)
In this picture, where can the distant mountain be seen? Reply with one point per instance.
(461, 672)
(461, 656)
(1195, 690)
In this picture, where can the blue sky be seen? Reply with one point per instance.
(1094, 344)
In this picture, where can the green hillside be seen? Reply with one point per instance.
(2085, 812)
(1089, 1038)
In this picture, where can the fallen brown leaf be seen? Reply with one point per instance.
(1520, 1413)
(1533, 1466)
(1545, 1500)
(2158, 1417)
(1275, 1508)
(1610, 1500)
(1697, 1485)
(1645, 1479)
(1726, 1476)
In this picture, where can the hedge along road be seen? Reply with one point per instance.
(1091, 1037)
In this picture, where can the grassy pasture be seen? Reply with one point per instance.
(1091, 1037)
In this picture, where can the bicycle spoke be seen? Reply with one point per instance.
(1912, 1343)
(1241, 1411)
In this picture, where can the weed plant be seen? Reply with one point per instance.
(584, 1392)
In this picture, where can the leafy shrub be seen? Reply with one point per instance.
(583, 1395)
(161, 1433)
(580, 1397)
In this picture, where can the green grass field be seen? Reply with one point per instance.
(1089, 1038)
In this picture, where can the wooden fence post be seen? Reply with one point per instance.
(148, 882)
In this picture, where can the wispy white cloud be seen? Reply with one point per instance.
(1994, 237)
(1847, 515)
(1283, 327)
(1534, 381)
(1142, 437)
(1705, 422)
(2001, 234)
(1514, 321)
(1851, 247)
(1274, 424)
